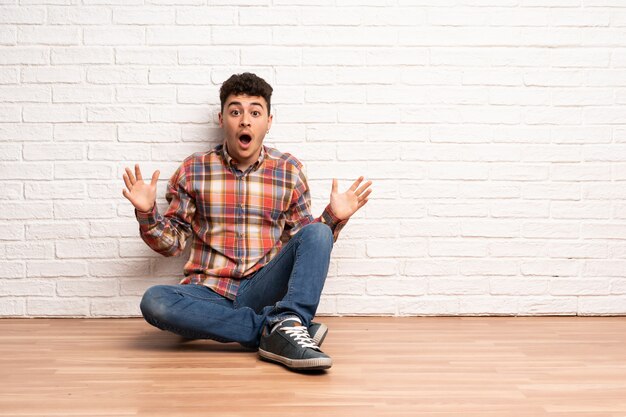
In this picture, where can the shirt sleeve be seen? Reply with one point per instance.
(299, 213)
(167, 234)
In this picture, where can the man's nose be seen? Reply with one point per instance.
(244, 121)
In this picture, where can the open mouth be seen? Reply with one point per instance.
(245, 139)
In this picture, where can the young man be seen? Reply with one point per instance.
(258, 258)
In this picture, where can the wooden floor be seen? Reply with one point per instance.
(383, 366)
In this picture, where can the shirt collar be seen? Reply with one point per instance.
(232, 163)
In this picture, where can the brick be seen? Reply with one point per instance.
(145, 56)
(82, 94)
(153, 132)
(344, 286)
(55, 113)
(79, 15)
(578, 287)
(206, 16)
(116, 75)
(207, 56)
(10, 114)
(494, 305)
(86, 249)
(29, 250)
(428, 306)
(366, 305)
(458, 286)
(397, 248)
(269, 55)
(119, 268)
(25, 94)
(607, 305)
(148, 95)
(333, 56)
(553, 268)
(83, 210)
(427, 268)
(83, 170)
(551, 230)
(56, 230)
(401, 287)
(548, 306)
(11, 232)
(179, 114)
(178, 35)
(9, 76)
(455, 248)
(87, 288)
(372, 267)
(56, 190)
(48, 152)
(22, 15)
(84, 132)
(11, 269)
(114, 35)
(119, 152)
(117, 114)
(12, 307)
(457, 210)
(57, 307)
(25, 171)
(54, 268)
(143, 16)
(603, 231)
(116, 307)
(262, 16)
(517, 287)
(24, 56)
(48, 35)
(28, 288)
(179, 76)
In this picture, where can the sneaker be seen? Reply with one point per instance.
(318, 332)
(291, 345)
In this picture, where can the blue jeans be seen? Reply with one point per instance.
(289, 285)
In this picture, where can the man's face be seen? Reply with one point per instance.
(245, 122)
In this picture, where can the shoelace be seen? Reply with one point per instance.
(301, 335)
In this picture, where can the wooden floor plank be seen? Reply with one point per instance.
(383, 366)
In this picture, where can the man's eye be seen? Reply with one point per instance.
(256, 113)
(235, 112)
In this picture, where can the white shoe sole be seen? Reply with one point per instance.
(313, 364)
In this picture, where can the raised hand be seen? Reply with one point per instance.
(347, 203)
(142, 195)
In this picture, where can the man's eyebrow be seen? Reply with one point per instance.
(238, 103)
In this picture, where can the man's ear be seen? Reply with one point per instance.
(219, 115)
(269, 123)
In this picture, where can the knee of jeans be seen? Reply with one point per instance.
(152, 305)
(318, 233)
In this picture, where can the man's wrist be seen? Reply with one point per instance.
(146, 218)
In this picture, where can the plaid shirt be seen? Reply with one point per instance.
(238, 221)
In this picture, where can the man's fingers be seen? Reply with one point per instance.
(130, 175)
(127, 181)
(138, 172)
(363, 187)
(365, 195)
(356, 183)
(335, 186)
(155, 177)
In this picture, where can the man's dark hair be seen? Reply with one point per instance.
(248, 84)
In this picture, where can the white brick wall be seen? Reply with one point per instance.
(494, 132)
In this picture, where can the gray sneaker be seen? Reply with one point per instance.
(318, 332)
(291, 345)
